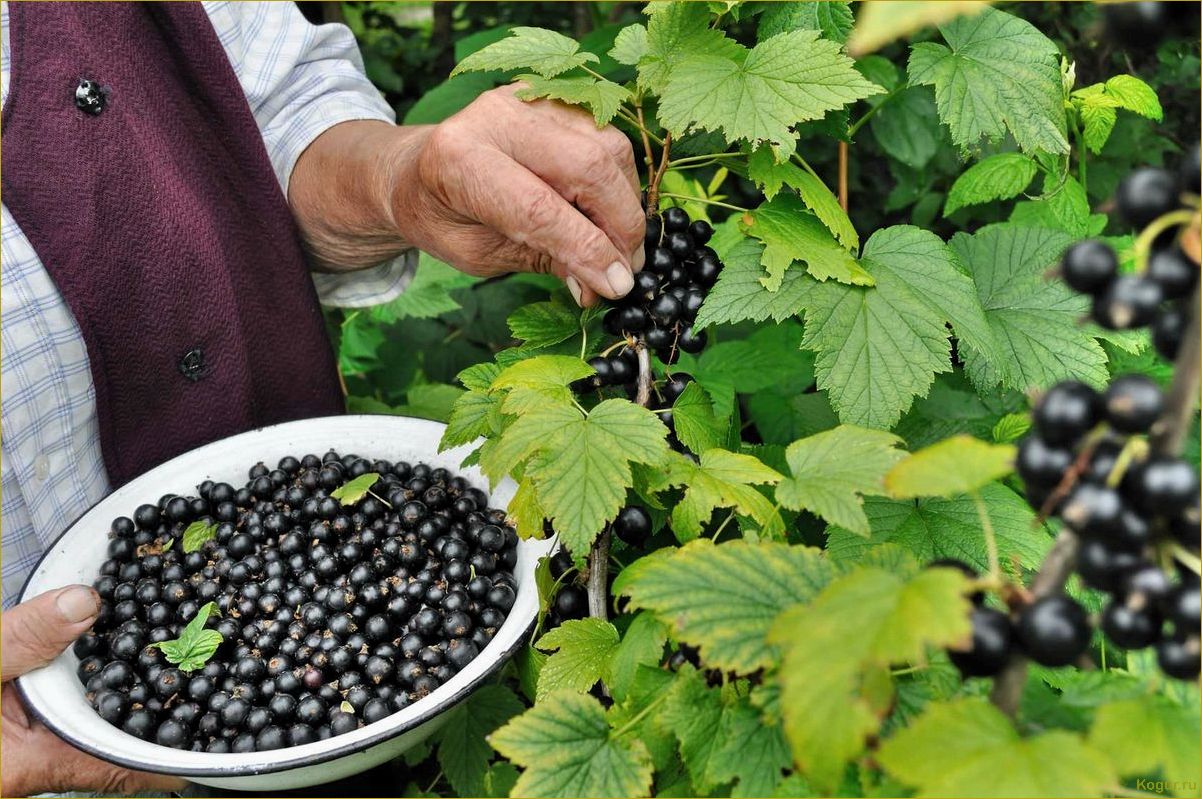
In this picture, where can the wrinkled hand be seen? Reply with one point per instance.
(34, 759)
(506, 185)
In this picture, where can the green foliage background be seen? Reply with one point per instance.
(786, 703)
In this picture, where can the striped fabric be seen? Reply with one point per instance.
(300, 80)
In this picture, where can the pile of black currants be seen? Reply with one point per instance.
(1087, 463)
(659, 311)
(1158, 297)
(322, 609)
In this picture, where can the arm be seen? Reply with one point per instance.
(501, 186)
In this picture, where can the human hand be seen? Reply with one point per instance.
(506, 185)
(35, 760)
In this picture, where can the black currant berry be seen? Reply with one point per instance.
(675, 220)
(1161, 486)
(992, 642)
(1173, 271)
(1041, 465)
(1131, 628)
(632, 525)
(1183, 607)
(1089, 266)
(705, 270)
(1145, 194)
(665, 309)
(1054, 630)
(1179, 657)
(691, 341)
(1168, 330)
(1129, 301)
(1093, 511)
(1067, 411)
(1104, 567)
(1133, 403)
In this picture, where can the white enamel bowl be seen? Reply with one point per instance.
(54, 694)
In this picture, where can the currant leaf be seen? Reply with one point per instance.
(957, 465)
(791, 234)
(463, 751)
(581, 649)
(546, 52)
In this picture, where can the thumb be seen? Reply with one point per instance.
(35, 632)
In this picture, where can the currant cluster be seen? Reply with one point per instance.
(329, 614)
(659, 311)
(1158, 297)
(1122, 505)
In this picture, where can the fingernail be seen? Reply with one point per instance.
(620, 279)
(638, 259)
(574, 287)
(77, 604)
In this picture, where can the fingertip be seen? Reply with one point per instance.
(638, 259)
(77, 603)
(619, 278)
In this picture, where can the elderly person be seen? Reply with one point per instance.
(172, 172)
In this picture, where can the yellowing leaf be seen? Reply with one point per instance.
(954, 748)
(880, 22)
(602, 97)
(354, 490)
(582, 651)
(832, 470)
(790, 233)
(720, 479)
(546, 52)
(1147, 735)
(957, 465)
(532, 382)
(865, 621)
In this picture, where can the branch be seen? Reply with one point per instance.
(653, 182)
(843, 176)
(598, 556)
(1168, 434)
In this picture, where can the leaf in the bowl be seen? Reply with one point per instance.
(195, 644)
(356, 489)
(196, 534)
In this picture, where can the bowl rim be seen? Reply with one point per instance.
(337, 752)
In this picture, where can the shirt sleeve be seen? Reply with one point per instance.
(300, 80)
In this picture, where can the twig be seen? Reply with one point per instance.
(648, 156)
(653, 183)
(598, 556)
(1168, 434)
(843, 176)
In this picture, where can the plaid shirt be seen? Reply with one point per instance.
(300, 80)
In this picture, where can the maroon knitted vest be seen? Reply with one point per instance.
(133, 163)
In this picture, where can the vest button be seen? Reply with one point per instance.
(90, 97)
(192, 365)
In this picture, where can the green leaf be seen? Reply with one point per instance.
(195, 644)
(583, 648)
(791, 234)
(878, 348)
(693, 711)
(832, 470)
(957, 747)
(1011, 428)
(447, 98)
(463, 752)
(354, 490)
(567, 749)
(479, 377)
(828, 709)
(470, 418)
(694, 420)
(719, 479)
(765, 171)
(541, 324)
(197, 534)
(642, 645)
(674, 33)
(724, 598)
(1037, 338)
(431, 401)
(832, 19)
(546, 52)
(533, 382)
(1149, 734)
(957, 465)
(739, 296)
(630, 45)
(1066, 210)
(998, 74)
(750, 751)
(947, 528)
(759, 94)
(998, 177)
(580, 465)
(907, 127)
(753, 364)
(499, 780)
(602, 97)
(1134, 95)
(427, 296)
